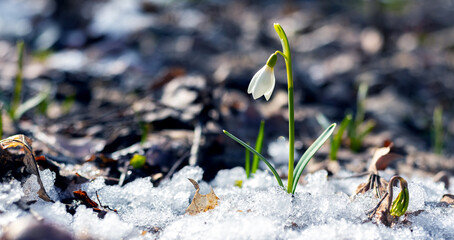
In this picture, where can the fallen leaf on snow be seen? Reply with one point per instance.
(82, 196)
(447, 199)
(201, 203)
(23, 142)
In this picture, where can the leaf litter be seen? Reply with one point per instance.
(24, 144)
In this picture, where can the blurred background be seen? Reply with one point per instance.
(162, 77)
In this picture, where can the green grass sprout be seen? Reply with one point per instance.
(1, 121)
(258, 154)
(16, 108)
(247, 163)
(16, 100)
(337, 138)
(258, 147)
(438, 130)
(358, 129)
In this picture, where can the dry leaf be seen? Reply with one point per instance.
(82, 196)
(447, 199)
(382, 214)
(29, 161)
(382, 157)
(201, 203)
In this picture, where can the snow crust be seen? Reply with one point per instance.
(320, 209)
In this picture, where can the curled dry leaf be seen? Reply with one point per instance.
(23, 142)
(448, 199)
(201, 203)
(382, 157)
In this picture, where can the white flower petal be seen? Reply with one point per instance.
(254, 80)
(270, 91)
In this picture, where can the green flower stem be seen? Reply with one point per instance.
(291, 111)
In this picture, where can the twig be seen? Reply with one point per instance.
(195, 144)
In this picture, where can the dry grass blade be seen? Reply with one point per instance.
(21, 141)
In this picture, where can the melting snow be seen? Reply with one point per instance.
(321, 209)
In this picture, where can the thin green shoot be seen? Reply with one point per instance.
(357, 129)
(276, 175)
(307, 156)
(16, 109)
(144, 129)
(438, 130)
(16, 100)
(337, 138)
(31, 103)
(322, 120)
(1, 121)
(247, 163)
(258, 147)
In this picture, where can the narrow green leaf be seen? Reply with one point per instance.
(31, 103)
(18, 81)
(361, 103)
(322, 120)
(1, 121)
(438, 130)
(258, 147)
(337, 139)
(247, 164)
(304, 160)
(276, 175)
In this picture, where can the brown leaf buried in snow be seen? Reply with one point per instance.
(82, 196)
(201, 203)
(382, 157)
(23, 142)
(447, 199)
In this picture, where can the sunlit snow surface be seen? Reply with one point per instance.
(321, 209)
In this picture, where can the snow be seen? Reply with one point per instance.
(321, 209)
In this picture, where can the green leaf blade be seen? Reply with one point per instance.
(258, 147)
(276, 175)
(337, 139)
(247, 164)
(307, 156)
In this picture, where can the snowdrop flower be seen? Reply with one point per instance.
(262, 84)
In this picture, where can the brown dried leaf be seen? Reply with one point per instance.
(447, 199)
(82, 196)
(201, 203)
(25, 143)
(382, 157)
